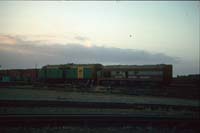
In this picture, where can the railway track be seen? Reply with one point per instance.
(96, 120)
(98, 105)
(101, 119)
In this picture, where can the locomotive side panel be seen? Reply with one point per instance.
(145, 73)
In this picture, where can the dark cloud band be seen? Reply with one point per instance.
(25, 54)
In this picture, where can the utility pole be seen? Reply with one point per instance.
(35, 65)
(36, 73)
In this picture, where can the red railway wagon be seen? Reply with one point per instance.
(20, 74)
(3, 77)
(30, 75)
(14, 74)
(3, 73)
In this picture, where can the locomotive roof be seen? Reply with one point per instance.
(69, 65)
(135, 66)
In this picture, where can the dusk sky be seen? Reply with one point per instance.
(114, 32)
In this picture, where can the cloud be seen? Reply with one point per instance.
(6, 39)
(25, 54)
(81, 38)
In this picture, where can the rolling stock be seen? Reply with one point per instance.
(132, 74)
(92, 74)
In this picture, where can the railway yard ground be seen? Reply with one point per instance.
(25, 109)
(32, 94)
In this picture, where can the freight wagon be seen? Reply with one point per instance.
(4, 78)
(14, 76)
